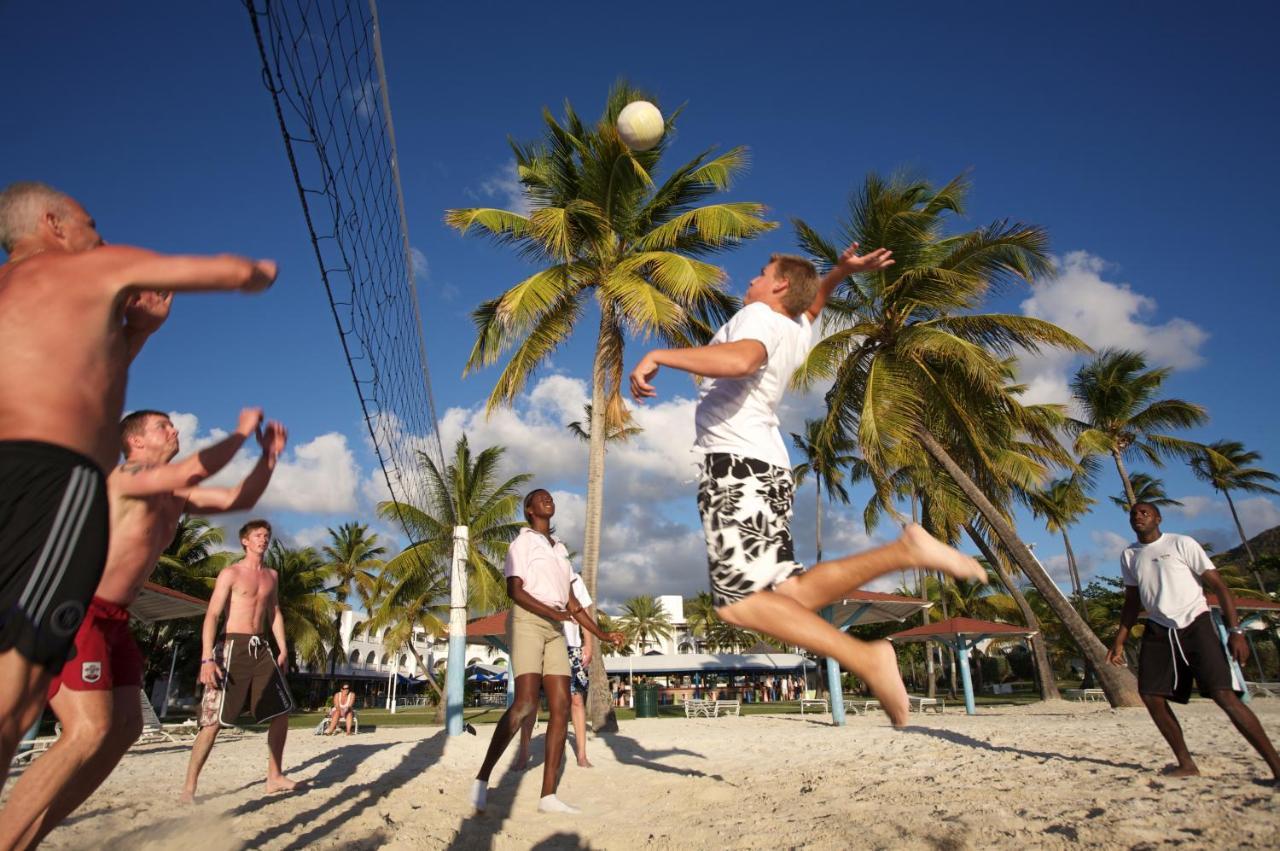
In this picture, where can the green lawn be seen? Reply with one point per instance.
(424, 716)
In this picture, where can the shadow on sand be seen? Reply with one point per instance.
(970, 742)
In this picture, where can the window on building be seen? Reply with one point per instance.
(355, 657)
(368, 660)
(385, 657)
(686, 648)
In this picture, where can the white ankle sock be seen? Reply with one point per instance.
(479, 793)
(552, 804)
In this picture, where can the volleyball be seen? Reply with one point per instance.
(640, 125)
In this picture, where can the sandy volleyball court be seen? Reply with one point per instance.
(1015, 777)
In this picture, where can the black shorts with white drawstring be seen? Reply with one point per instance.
(1170, 658)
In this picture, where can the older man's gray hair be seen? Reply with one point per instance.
(22, 205)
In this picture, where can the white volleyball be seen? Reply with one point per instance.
(640, 125)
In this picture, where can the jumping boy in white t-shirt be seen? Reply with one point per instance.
(745, 486)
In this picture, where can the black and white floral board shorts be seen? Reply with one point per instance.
(745, 505)
(579, 681)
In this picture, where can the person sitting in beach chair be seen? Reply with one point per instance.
(344, 707)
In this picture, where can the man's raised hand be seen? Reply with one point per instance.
(273, 439)
(262, 276)
(641, 377)
(249, 420)
(147, 310)
(851, 263)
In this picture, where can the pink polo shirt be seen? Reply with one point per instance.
(544, 569)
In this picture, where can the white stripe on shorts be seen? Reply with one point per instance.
(72, 496)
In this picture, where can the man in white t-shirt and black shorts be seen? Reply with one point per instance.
(745, 487)
(1180, 641)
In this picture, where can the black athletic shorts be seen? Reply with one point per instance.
(1170, 658)
(252, 681)
(53, 547)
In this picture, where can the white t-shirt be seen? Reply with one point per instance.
(1164, 572)
(572, 629)
(739, 415)
(544, 569)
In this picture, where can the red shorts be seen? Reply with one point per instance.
(106, 657)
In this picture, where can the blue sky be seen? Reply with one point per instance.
(1144, 144)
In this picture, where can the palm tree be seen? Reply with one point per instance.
(1062, 503)
(915, 372)
(416, 601)
(601, 227)
(353, 557)
(609, 624)
(189, 564)
(643, 619)
(1146, 488)
(468, 492)
(827, 459)
(700, 615)
(1124, 419)
(618, 432)
(302, 593)
(1039, 643)
(1225, 464)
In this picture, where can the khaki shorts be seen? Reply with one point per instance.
(537, 645)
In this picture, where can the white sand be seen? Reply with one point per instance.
(1039, 776)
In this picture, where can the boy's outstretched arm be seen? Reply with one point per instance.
(721, 360)
(849, 264)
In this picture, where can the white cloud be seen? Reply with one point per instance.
(319, 476)
(1257, 514)
(418, 263)
(506, 187)
(1102, 313)
(1194, 506)
(363, 98)
(1109, 543)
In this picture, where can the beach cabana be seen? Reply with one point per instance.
(492, 630)
(863, 607)
(963, 634)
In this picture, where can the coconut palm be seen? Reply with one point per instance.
(354, 559)
(302, 594)
(700, 615)
(831, 460)
(916, 372)
(416, 601)
(189, 564)
(602, 228)
(618, 432)
(1146, 488)
(1226, 465)
(643, 620)
(1124, 419)
(468, 492)
(1062, 503)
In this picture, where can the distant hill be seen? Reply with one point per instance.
(1264, 544)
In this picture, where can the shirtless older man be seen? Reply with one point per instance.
(96, 695)
(239, 669)
(73, 314)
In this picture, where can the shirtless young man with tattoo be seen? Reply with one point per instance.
(239, 668)
(74, 312)
(96, 696)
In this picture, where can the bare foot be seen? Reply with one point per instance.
(585, 763)
(187, 797)
(1180, 771)
(882, 675)
(521, 763)
(929, 552)
(284, 784)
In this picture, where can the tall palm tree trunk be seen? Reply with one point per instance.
(929, 672)
(1124, 477)
(1253, 563)
(1119, 684)
(817, 481)
(1076, 584)
(1039, 650)
(431, 680)
(599, 704)
(951, 656)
